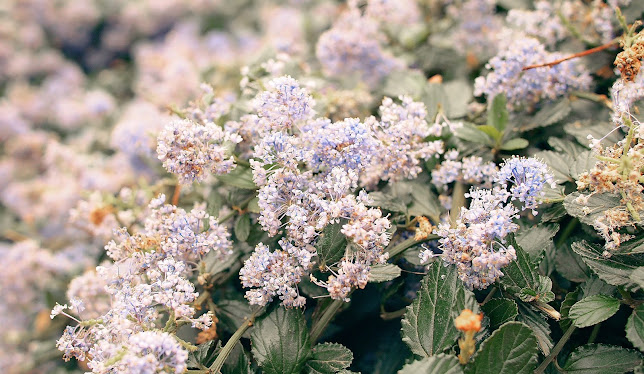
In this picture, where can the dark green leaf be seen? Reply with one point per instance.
(602, 359)
(240, 177)
(539, 326)
(331, 244)
(387, 202)
(424, 201)
(500, 311)
(637, 276)
(535, 239)
(237, 362)
(583, 163)
(470, 133)
(566, 146)
(550, 114)
(570, 265)
(521, 273)
(328, 358)
(405, 82)
(280, 341)
(438, 364)
(384, 273)
(592, 310)
(459, 93)
(512, 349)
(434, 96)
(615, 270)
(242, 227)
(514, 144)
(497, 113)
(428, 325)
(253, 206)
(558, 163)
(570, 300)
(202, 355)
(635, 327)
(595, 286)
(491, 131)
(581, 130)
(231, 313)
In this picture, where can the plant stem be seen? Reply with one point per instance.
(580, 54)
(555, 351)
(488, 297)
(407, 243)
(318, 326)
(176, 194)
(594, 333)
(230, 345)
(458, 201)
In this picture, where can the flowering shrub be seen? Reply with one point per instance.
(321, 186)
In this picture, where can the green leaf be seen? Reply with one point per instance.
(491, 131)
(580, 130)
(601, 359)
(615, 270)
(237, 362)
(328, 358)
(533, 240)
(424, 201)
(594, 207)
(583, 163)
(231, 313)
(568, 147)
(428, 325)
(635, 327)
(383, 273)
(242, 227)
(595, 286)
(514, 144)
(632, 247)
(571, 265)
(512, 349)
(497, 113)
(280, 341)
(542, 292)
(253, 205)
(202, 355)
(438, 364)
(240, 177)
(558, 163)
(434, 96)
(470, 133)
(331, 244)
(405, 82)
(459, 93)
(593, 309)
(570, 300)
(387, 202)
(550, 114)
(637, 276)
(500, 311)
(521, 273)
(539, 326)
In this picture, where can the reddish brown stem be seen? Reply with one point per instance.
(580, 54)
(175, 195)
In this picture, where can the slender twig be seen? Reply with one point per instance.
(230, 345)
(594, 333)
(489, 296)
(392, 315)
(555, 351)
(176, 194)
(318, 326)
(580, 54)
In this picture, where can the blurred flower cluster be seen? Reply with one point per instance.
(172, 170)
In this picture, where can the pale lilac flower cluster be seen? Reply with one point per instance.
(284, 104)
(303, 201)
(477, 26)
(526, 88)
(193, 150)
(476, 242)
(401, 132)
(147, 280)
(470, 170)
(352, 45)
(528, 177)
(394, 12)
(541, 23)
(624, 95)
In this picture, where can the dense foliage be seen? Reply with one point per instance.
(317, 186)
